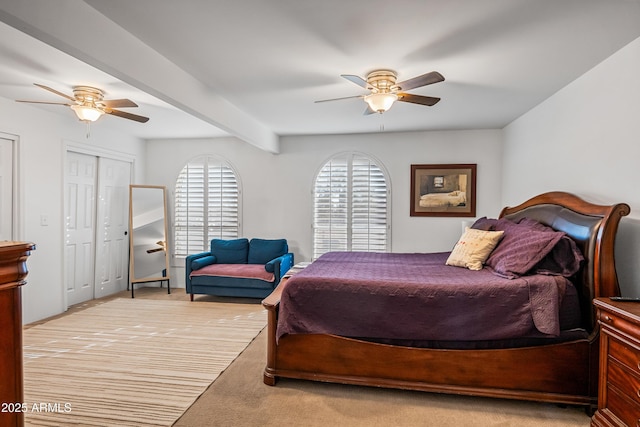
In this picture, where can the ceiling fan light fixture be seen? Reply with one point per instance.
(87, 113)
(380, 102)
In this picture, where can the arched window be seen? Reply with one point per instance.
(207, 205)
(351, 199)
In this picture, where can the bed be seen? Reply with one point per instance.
(533, 363)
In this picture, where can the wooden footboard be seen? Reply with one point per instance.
(271, 303)
(562, 373)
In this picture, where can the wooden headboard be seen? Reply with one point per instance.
(593, 228)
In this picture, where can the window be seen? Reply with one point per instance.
(207, 205)
(350, 206)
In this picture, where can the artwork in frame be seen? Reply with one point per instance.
(443, 190)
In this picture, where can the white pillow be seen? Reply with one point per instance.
(473, 248)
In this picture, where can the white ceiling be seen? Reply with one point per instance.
(25, 60)
(254, 68)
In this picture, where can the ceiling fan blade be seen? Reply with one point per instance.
(119, 103)
(423, 80)
(126, 115)
(340, 99)
(44, 102)
(418, 99)
(70, 98)
(357, 80)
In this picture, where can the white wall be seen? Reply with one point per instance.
(585, 139)
(43, 137)
(277, 198)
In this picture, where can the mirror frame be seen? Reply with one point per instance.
(132, 279)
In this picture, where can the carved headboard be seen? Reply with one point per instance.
(593, 228)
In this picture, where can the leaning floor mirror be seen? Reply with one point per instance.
(148, 236)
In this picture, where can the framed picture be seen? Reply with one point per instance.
(443, 190)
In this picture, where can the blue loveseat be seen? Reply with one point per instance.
(238, 268)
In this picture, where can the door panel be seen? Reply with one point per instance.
(79, 226)
(112, 250)
(6, 189)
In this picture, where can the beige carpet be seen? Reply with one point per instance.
(239, 398)
(131, 362)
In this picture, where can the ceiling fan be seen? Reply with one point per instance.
(385, 91)
(89, 104)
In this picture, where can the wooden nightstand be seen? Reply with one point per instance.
(619, 376)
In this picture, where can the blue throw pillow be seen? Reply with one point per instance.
(230, 251)
(261, 251)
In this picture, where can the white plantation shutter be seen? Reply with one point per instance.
(331, 206)
(206, 205)
(368, 207)
(350, 206)
(224, 219)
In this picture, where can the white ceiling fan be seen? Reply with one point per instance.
(89, 104)
(384, 90)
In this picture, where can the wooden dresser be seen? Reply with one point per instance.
(13, 270)
(619, 377)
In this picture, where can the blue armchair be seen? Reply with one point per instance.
(238, 268)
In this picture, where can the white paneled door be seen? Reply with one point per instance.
(6, 189)
(80, 200)
(112, 250)
(96, 212)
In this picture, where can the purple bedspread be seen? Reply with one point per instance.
(416, 297)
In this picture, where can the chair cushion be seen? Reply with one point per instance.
(230, 251)
(242, 271)
(261, 251)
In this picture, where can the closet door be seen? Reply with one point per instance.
(96, 227)
(112, 248)
(79, 213)
(6, 189)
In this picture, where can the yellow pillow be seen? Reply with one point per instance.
(473, 248)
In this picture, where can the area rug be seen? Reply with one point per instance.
(131, 362)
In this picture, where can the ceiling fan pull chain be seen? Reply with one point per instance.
(88, 129)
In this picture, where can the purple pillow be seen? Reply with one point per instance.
(485, 224)
(521, 248)
(565, 259)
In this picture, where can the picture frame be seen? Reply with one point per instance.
(443, 190)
